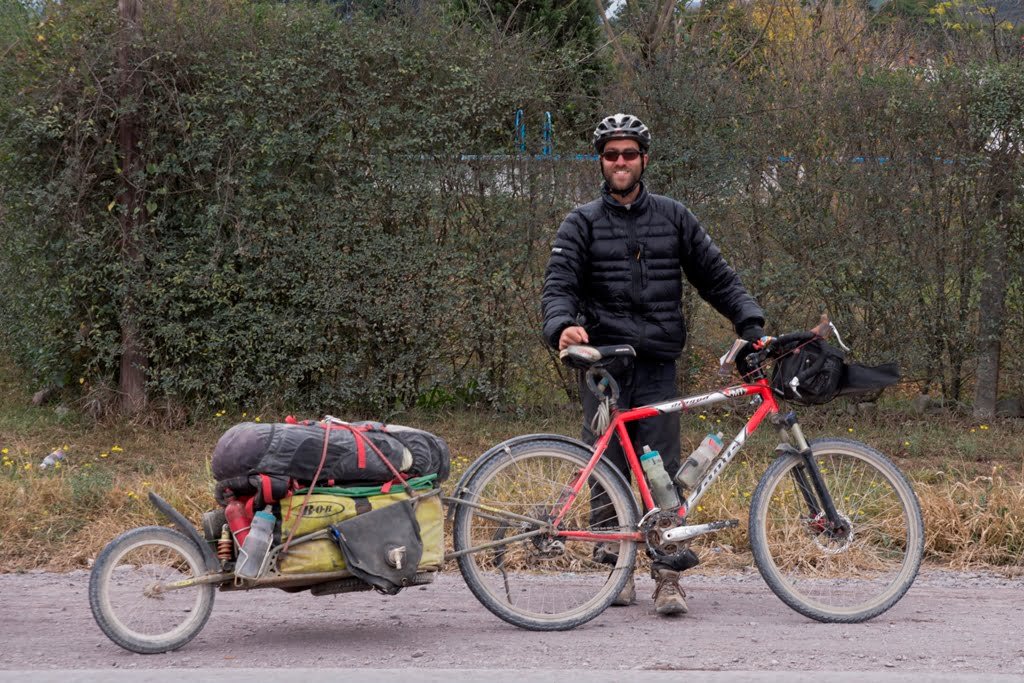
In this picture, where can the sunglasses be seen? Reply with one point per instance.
(613, 155)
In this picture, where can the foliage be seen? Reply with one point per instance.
(331, 218)
(311, 235)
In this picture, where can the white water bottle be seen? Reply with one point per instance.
(257, 544)
(662, 488)
(694, 467)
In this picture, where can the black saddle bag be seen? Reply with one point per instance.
(382, 547)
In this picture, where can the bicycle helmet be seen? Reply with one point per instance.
(621, 126)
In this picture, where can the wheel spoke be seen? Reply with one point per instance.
(545, 582)
(125, 593)
(847, 576)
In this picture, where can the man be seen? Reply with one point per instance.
(615, 277)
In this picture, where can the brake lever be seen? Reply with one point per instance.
(838, 338)
(727, 363)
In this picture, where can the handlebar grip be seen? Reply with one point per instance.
(785, 341)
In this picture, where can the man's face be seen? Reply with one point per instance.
(622, 174)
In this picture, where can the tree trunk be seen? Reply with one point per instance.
(991, 314)
(992, 305)
(132, 376)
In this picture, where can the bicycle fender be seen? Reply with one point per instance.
(186, 527)
(515, 441)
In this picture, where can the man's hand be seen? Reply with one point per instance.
(574, 334)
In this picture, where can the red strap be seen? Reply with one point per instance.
(360, 450)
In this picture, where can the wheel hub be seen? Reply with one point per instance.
(830, 539)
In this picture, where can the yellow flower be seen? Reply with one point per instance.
(131, 494)
(700, 508)
(4, 451)
(245, 414)
(28, 466)
(257, 418)
(116, 449)
(81, 380)
(104, 455)
(973, 430)
(906, 443)
(703, 417)
(984, 428)
(849, 429)
(88, 464)
(56, 465)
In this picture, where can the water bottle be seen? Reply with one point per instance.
(694, 467)
(257, 544)
(238, 519)
(662, 488)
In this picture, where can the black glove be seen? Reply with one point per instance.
(751, 332)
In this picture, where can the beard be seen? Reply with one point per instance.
(621, 183)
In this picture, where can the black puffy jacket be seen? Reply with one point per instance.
(617, 271)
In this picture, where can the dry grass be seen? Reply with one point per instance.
(975, 523)
(969, 476)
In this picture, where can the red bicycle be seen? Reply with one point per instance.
(835, 528)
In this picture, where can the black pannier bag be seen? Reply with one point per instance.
(817, 372)
(268, 458)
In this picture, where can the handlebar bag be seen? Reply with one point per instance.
(817, 372)
(810, 374)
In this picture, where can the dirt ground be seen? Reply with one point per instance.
(948, 622)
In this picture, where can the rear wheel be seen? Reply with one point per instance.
(844, 575)
(547, 582)
(132, 596)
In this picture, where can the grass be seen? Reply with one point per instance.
(969, 476)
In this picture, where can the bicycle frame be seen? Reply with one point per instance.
(759, 389)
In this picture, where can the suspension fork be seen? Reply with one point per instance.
(807, 474)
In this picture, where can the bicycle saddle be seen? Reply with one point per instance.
(585, 357)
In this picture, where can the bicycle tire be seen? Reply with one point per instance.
(121, 590)
(830, 579)
(555, 590)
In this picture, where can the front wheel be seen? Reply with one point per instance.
(552, 581)
(848, 575)
(133, 595)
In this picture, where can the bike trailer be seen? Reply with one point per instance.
(329, 507)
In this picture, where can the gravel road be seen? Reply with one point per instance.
(948, 622)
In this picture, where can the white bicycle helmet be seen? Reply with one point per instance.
(621, 126)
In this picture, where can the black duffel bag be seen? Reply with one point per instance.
(251, 457)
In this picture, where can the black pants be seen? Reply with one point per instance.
(645, 383)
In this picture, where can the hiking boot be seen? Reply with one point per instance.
(627, 596)
(669, 598)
